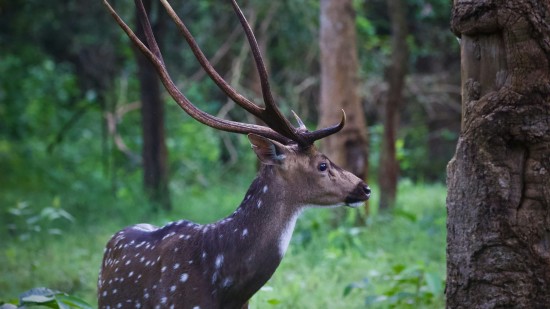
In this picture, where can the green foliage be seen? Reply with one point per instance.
(410, 286)
(431, 44)
(37, 95)
(195, 146)
(25, 221)
(413, 152)
(43, 297)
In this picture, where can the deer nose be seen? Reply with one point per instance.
(366, 189)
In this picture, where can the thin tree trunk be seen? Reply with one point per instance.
(498, 204)
(395, 75)
(339, 87)
(154, 152)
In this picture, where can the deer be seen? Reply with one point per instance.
(223, 264)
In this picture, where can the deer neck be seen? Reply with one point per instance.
(268, 211)
(255, 237)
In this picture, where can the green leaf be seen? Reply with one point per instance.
(434, 283)
(38, 299)
(273, 301)
(405, 214)
(37, 296)
(348, 289)
(373, 299)
(52, 299)
(398, 268)
(67, 301)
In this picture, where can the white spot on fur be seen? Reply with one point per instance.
(184, 277)
(245, 232)
(227, 282)
(264, 189)
(145, 227)
(219, 261)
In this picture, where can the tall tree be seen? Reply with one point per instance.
(339, 87)
(395, 76)
(498, 203)
(154, 152)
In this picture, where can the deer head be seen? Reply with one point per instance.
(309, 176)
(222, 264)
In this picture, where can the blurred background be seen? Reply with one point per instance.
(90, 142)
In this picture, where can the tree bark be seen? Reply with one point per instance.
(339, 87)
(154, 152)
(498, 204)
(395, 76)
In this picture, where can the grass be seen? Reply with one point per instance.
(395, 261)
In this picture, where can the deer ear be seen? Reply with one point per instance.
(268, 151)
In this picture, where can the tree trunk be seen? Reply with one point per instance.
(498, 204)
(395, 76)
(154, 152)
(339, 87)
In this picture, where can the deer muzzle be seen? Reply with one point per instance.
(358, 196)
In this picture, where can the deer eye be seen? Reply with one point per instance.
(323, 167)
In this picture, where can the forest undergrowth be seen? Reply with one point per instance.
(390, 260)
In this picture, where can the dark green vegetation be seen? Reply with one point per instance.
(66, 187)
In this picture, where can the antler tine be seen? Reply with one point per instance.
(222, 84)
(272, 116)
(155, 57)
(301, 125)
(311, 137)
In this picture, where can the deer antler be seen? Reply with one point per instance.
(278, 127)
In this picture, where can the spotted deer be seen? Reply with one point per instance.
(222, 264)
